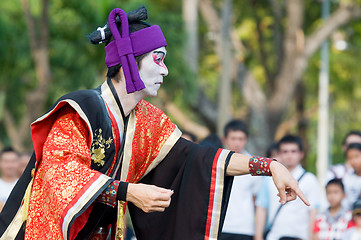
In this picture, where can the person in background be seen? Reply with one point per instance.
(293, 220)
(9, 165)
(23, 162)
(340, 170)
(239, 221)
(189, 136)
(354, 233)
(272, 150)
(212, 140)
(353, 136)
(352, 179)
(332, 223)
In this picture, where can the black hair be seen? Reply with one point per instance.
(352, 132)
(336, 181)
(271, 148)
(212, 140)
(291, 139)
(356, 146)
(135, 24)
(7, 150)
(191, 135)
(235, 125)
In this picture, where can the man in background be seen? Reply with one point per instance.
(239, 221)
(9, 164)
(293, 220)
(23, 162)
(342, 169)
(189, 136)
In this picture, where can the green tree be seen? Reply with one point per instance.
(273, 42)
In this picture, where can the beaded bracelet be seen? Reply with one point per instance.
(260, 166)
(109, 195)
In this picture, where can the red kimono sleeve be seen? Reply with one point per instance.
(64, 185)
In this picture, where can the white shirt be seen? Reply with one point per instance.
(240, 212)
(5, 189)
(352, 234)
(352, 184)
(293, 218)
(337, 171)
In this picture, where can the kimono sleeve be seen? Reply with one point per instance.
(64, 186)
(201, 192)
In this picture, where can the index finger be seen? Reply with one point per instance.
(301, 196)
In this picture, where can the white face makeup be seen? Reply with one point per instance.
(152, 71)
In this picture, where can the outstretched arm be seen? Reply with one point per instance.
(287, 186)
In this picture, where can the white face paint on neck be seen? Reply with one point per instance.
(152, 70)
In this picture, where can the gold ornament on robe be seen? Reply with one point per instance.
(99, 145)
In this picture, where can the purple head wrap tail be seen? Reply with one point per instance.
(125, 50)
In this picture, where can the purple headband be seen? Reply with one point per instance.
(125, 47)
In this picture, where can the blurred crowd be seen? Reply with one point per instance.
(255, 213)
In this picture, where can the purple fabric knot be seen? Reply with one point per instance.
(125, 47)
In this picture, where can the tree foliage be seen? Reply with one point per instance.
(264, 68)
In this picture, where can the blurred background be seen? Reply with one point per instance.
(256, 60)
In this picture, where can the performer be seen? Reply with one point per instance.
(97, 150)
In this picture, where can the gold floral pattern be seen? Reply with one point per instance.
(152, 130)
(62, 175)
(99, 145)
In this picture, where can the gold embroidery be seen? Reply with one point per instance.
(62, 174)
(98, 147)
(152, 130)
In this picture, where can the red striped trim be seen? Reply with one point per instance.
(79, 223)
(78, 195)
(211, 194)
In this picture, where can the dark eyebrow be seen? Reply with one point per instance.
(159, 52)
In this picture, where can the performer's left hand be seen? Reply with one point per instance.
(287, 186)
(149, 198)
